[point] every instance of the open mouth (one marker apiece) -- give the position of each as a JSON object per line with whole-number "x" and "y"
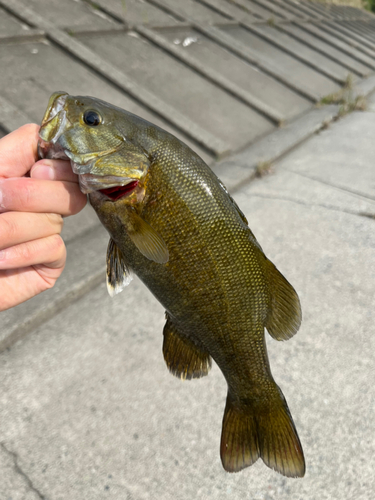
{"x": 117, "y": 192}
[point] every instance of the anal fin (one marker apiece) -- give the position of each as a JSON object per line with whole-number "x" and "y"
{"x": 183, "y": 358}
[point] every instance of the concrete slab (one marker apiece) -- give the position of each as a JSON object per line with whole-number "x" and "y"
{"x": 87, "y": 404}
{"x": 371, "y": 103}
{"x": 345, "y": 60}
{"x": 28, "y": 86}
{"x": 10, "y": 26}
{"x": 345, "y": 47}
{"x": 311, "y": 79}
{"x": 257, "y": 10}
{"x": 349, "y": 166}
{"x": 71, "y": 13}
{"x": 195, "y": 10}
{"x": 137, "y": 12}
{"x": 319, "y": 61}
{"x": 276, "y": 95}
{"x": 183, "y": 89}
{"x": 242, "y": 167}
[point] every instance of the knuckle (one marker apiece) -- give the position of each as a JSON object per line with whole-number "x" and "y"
{"x": 58, "y": 248}
{"x": 55, "y": 220}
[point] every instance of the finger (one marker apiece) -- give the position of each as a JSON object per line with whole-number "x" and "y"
{"x": 53, "y": 170}
{"x": 18, "y": 285}
{"x": 20, "y": 227}
{"x": 18, "y": 151}
{"x": 48, "y": 251}
{"x": 33, "y": 195}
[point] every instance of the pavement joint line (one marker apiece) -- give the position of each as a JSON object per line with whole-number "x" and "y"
{"x": 341, "y": 188}
{"x": 212, "y": 75}
{"x": 242, "y": 51}
{"x": 31, "y": 35}
{"x": 11, "y": 117}
{"x": 223, "y": 10}
{"x": 361, "y": 29}
{"x": 286, "y": 29}
{"x": 201, "y": 136}
{"x": 19, "y": 471}
{"x": 367, "y": 26}
{"x": 274, "y": 9}
{"x": 306, "y": 60}
{"x": 293, "y": 7}
{"x": 247, "y": 54}
{"x": 274, "y": 153}
{"x": 338, "y": 44}
{"x": 311, "y": 205}
{"x": 324, "y": 12}
{"x": 359, "y": 40}
{"x": 309, "y": 12}
{"x": 344, "y": 37}
{"x": 210, "y": 4}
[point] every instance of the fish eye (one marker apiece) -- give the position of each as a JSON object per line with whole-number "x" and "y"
{"x": 91, "y": 118}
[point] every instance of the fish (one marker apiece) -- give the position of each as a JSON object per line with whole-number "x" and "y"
{"x": 173, "y": 223}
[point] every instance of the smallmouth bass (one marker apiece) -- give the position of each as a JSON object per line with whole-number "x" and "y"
{"x": 174, "y": 224}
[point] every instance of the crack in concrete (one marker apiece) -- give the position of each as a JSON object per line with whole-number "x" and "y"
{"x": 328, "y": 207}
{"x": 19, "y": 471}
{"x": 330, "y": 184}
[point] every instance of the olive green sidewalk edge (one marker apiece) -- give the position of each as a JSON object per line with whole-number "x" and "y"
{"x": 85, "y": 268}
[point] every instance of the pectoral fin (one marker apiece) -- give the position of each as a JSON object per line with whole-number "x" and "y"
{"x": 183, "y": 358}
{"x": 147, "y": 240}
{"x": 118, "y": 273}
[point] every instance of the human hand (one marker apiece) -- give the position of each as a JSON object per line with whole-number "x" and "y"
{"x": 32, "y": 252}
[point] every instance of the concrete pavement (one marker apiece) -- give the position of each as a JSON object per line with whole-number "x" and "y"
{"x": 88, "y": 409}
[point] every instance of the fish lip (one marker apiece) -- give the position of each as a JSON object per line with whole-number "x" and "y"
{"x": 89, "y": 183}
{"x": 53, "y": 125}
{"x": 57, "y": 109}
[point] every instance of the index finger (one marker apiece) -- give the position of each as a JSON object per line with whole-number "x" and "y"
{"x": 18, "y": 151}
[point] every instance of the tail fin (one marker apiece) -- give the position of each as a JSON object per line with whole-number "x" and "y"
{"x": 264, "y": 430}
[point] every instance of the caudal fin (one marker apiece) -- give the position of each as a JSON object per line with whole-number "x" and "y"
{"x": 263, "y": 430}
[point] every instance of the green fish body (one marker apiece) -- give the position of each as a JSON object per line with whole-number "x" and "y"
{"x": 173, "y": 223}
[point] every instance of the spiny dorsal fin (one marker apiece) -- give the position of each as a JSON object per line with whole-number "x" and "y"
{"x": 285, "y": 316}
{"x": 183, "y": 358}
{"x": 118, "y": 273}
{"x": 147, "y": 240}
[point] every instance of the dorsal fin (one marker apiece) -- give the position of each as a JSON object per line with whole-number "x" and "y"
{"x": 285, "y": 316}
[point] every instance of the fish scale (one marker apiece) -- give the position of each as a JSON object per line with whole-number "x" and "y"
{"x": 179, "y": 230}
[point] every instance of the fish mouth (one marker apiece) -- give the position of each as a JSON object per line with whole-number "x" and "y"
{"x": 113, "y": 187}
{"x": 53, "y": 125}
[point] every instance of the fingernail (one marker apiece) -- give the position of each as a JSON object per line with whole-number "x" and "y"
{"x": 2, "y": 255}
{"x": 43, "y": 171}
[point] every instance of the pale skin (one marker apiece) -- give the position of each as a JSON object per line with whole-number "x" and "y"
{"x": 34, "y": 198}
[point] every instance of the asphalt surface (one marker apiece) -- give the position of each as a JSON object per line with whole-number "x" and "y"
{"x": 88, "y": 409}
